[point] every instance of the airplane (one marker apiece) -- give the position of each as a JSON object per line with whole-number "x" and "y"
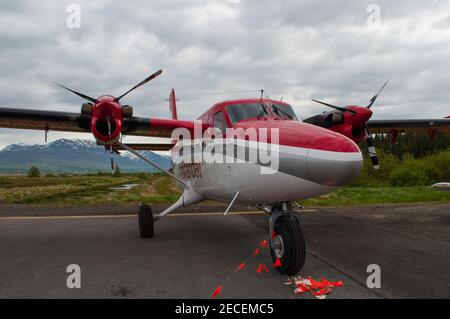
{"x": 313, "y": 157}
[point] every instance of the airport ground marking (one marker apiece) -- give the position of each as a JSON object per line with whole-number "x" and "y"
{"x": 19, "y": 218}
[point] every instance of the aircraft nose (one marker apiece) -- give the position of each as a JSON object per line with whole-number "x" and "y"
{"x": 334, "y": 161}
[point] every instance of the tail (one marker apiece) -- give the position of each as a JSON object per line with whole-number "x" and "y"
{"x": 173, "y": 104}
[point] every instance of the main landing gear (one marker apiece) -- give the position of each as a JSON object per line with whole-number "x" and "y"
{"x": 146, "y": 221}
{"x": 287, "y": 243}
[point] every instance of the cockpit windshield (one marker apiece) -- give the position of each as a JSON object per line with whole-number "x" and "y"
{"x": 241, "y": 112}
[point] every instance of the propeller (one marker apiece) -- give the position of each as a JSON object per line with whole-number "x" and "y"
{"x": 110, "y": 146}
{"x": 151, "y": 77}
{"x": 371, "y": 150}
{"x": 90, "y": 99}
{"x": 342, "y": 109}
{"x": 370, "y": 144}
{"x": 374, "y": 98}
{"x": 117, "y": 99}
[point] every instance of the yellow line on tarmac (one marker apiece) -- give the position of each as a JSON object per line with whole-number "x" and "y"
{"x": 62, "y": 217}
{"x": 132, "y": 215}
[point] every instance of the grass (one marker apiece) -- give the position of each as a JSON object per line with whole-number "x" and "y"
{"x": 85, "y": 189}
{"x": 158, "y": 188}
{"x": 379, "y": 195}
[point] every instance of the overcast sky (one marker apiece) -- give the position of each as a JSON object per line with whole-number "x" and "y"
{"x": 337, "y": 51}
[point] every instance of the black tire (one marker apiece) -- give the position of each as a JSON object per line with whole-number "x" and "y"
{"x": 145, "y": 217}
{"x": 293, "y": 254}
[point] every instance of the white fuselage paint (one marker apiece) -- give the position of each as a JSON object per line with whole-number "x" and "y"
{"x": 221, "y": 181}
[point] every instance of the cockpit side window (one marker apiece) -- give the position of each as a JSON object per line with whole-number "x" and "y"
{"x": 218, "y": 121}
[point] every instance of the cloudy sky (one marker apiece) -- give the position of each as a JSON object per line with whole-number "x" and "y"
{"x": 338, "y": 51}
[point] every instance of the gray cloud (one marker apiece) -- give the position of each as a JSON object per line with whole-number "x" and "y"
{"x": 295, "y": 49}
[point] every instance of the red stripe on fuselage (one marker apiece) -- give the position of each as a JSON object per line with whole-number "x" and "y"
{"x": 299, "y": 134}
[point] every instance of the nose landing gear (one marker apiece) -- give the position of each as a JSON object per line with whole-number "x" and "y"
{"x": 287, "y": 241}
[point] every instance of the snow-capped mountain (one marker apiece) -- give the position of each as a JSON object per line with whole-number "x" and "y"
{"x": 78, "y": 156}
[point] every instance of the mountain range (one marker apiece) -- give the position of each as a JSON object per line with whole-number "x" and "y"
{"x": 73, "y": 156}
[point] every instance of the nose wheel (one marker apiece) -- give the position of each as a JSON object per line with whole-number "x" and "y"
{"x": 287, "y": 243}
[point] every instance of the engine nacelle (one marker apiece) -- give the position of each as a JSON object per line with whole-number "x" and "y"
{"x": 353, "y": 125}
{"x": 106, "y": 110}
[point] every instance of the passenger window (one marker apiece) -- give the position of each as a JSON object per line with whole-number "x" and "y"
{"x": 218, "y": 121}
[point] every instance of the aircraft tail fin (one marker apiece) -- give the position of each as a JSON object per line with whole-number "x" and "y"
{"x": 173, "y": 104}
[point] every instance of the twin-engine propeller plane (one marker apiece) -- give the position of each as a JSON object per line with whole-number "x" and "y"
{"x": 293, "y": 160}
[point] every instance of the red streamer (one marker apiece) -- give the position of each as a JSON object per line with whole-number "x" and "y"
{"x": 277, "y": 263}
{"x": 216, "y": 292}
{"x": 241, "y": 266}
{"x": 264, "y": 244}
{"x": 262, "y": 267}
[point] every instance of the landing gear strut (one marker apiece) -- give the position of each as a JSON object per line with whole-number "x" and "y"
{"x": 145, "y": 217}
{"x": 287, "y": 241}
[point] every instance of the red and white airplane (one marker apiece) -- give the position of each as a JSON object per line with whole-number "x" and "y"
{"x": 313, "y": 157}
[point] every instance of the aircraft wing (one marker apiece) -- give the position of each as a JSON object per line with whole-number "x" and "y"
{"x": 44, "y": 120}
{"x": 409, "y": 126}
{"x": 77, "y": 122}
{"x": 140, "y": 126}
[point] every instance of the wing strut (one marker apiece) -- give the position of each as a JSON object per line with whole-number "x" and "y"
{"x": 126, "y": 147}
{"x": 189, "y": 195}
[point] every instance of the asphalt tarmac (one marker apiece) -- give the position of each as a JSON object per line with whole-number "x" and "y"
{"x": 196, "y": 250}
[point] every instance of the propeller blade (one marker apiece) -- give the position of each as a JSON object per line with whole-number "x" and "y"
{"x": 372, "y": 151}
{"x": 110, "y": 147}
{"x": 342, "y": 109}
{"x": 112, "y": 164}
{"x": 374, "y": 98}
{"x": 151, "y": 77}
{"x": 90, "y": 99}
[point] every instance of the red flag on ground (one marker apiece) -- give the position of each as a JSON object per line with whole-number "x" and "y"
{"x": 256, "y": 252}
{"x": 319, "y": 289}
{"x": 277, "y": 263}
{"x": 326, "y": 282}
{"x": 303, "y": 287}
{"x": 318, "y": 285}
{"x": 264, "y": 244}
{"x": 339, "y": 283}
{"x": 262, "y": 267}
{"x": 322, "y": 292}
{"x": 241, "y": 266}
{"x": 216, "y": 292}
